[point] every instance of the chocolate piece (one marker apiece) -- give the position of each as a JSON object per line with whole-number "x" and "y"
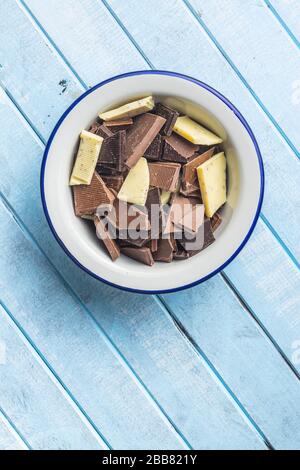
{"x": 169, "y": 114}
{"x": 177, "y": 149}
{"x": 143, "y": 255}
{"x": 119, "y": 125}
{"x": 110, "y": 244}
{"x": 119, "y": 122}
{"x": 191, "y": 190}
{"x": 138, "y": 242}
{"x": 113, "y": 182}
{"x": 88, "y": 197}
{"x": 153, "y": 207}
{"x": 140, "y": 135}
{"x": 128, "y": 219}
{"x": 153, "y": 245}
{"x": 192, "y": 220}
{"x": 113, "y": 151}
{"x": 164, "y": 175}
{"x": 189, "y": 174}
{"x": 103, "y": 131}
{"x": 180, "y": 206}
{"x": 164, "y": 251}
{"x": 154, "y": 150}
{"x": 181, "y": 254}
{"x": 200, "y": 241}
{"x": 215, "y": 221}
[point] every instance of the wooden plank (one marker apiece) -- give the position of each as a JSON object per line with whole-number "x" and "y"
{"x": 103, "y": 51}
{"x": 245, "y": 28}
{"x": 9, "y": 438}
{"x": 34, "y": 402}
{"x": 288, "y": 12}
{"x": 170, "y": 369}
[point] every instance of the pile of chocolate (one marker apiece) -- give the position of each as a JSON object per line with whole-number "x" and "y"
{"x": 152, "y": 182}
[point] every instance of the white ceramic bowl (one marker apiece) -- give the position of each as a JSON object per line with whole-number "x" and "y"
{"x": 245, "y": 181}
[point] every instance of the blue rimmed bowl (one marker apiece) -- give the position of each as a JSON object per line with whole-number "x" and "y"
{"x": 244, "y": 169}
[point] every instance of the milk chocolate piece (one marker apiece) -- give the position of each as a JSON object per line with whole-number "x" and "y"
{"x": 88, "y": 197}
{"x": 189, "y": 174}
{"x": 128, "y": 219}
{"x": 169, "y": 114}
{"x": 177, "y": 149}
{"x": 191, "y": 190}
{"x": 154, "y": 150}
{"x": 113, "y": 182}
{"x": 164, "y": 251}
{"x": 110, "y": 244}
{"x": 196, "y": 244}
{"x": 216, "y": 221}
{"x": 113, "y": 151}
{"x": 180, "y": 206}
{"x": 153, "y": 245}
{"x": 153, "y": 209}
{"x": 143, "y": 255}
{"x": 119, "y": 125}
{"x": 164, "y": 175}
{"x": 140, "y": 135}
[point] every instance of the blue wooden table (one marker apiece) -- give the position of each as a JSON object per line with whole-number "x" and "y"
{"x": 83, "y": 365}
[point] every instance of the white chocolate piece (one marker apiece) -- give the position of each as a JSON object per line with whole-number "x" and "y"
{"x": 136, "y": 184}
{"x": 135, "y": 108}
{"x": 194, "y": 132}
{"x": 212, "y": 182}
{"x": 87, "y": 157}
{"x": 165, "y": 197}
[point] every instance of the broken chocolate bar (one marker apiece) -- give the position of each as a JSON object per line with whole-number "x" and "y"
{"x": 119, "y": 124}
{"x": 113, "y": 182}
{"x": 170, "y": 116}
{"x": 200, "y": 241}
{"x": 189, "y": 174}
{"x": 104, "y": 235}
{"x": 88, "y": 197}
{"x": 216, "y": 221}
{"x": 164, "y": 251}
{"x": 154, "y": 150}
{"x": 113, "y": 152}
{"x": 140, "y": 135}
{"x": 177, "y": 149}
{"x": 164, "y": 175}
{"x": 143, "y": 255}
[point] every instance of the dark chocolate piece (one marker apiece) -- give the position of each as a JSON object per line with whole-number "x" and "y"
{"x": 164, "y": 251}
{"x": 104, "y": 235}
{"x": 113, "y": 182}
{"x": 143, "y": 255}
{"x": 154, "y": 150}
{"x": 189, "y": 174}
{"x": 177, "y": 149}
{"x": 88, "y": 197}
{"x": 113, "y": 151}
{"x": 181, "y": 254}
{"x": 169, "y": 114}
{"x": 201, "y": 241}
{"x": 140, "y": 135}
{"x": 164, "y": 175}
{"x": 216, "y": 221}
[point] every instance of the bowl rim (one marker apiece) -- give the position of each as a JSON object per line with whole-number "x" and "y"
{"x": 228, "y": 104}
